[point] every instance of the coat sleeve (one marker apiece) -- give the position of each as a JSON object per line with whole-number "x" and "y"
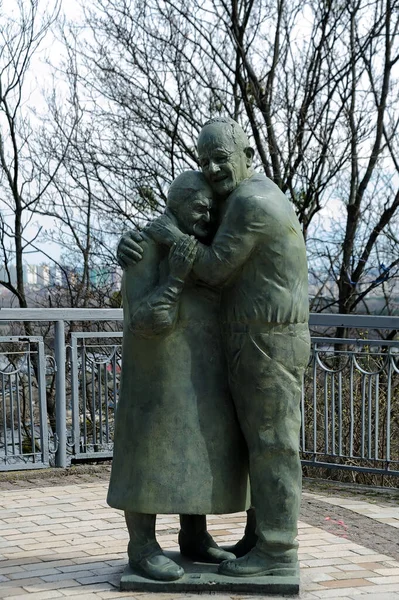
{"x": 234, "y": 241}
{"x": 150, "y": 307}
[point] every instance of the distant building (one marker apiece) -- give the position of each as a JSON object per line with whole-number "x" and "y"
{"x": 55, "y": 275}
{"x": 43, "y": 275}
{"x": 12, "y": 274}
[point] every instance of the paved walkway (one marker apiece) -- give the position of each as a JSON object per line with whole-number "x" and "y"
{"x": 63, "y": 540}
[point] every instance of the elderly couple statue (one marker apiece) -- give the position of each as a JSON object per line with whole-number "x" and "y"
{"x": 215, "y": 344}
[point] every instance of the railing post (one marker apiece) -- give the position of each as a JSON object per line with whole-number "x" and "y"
{"x": 60, "y": 395}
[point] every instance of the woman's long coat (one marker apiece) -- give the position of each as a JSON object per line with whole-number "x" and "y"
{"x": 178, "y": 447}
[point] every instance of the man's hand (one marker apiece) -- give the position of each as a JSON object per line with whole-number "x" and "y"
{"x": 182, "y": 256}
{"x": 164, "y": 231}
{"x": 129, "y": 250}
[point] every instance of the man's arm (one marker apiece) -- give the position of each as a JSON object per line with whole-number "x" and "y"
{"x": 130, "y": 248}
{"x": 244, "y": 221}
{"x": 236, "y": 238}
{"x": 132, "y": 243}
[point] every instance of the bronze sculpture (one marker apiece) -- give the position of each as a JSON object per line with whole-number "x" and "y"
{"x": 258, "y": 259}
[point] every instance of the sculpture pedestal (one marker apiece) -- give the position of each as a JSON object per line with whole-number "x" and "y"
{"x": 201, "y": 577}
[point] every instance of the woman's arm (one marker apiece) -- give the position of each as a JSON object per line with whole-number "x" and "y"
{"x": 153, "y": 307}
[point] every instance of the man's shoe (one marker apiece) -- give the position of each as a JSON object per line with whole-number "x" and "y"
{"x": 243, "y": 546}
{"x": 153, "y": 564}
{"x": 249, "y": 540}
{"x": 257, "y": 564}
{"x": 202, "y": 548}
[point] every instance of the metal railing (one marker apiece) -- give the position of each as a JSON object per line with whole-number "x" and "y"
{"x": 23, "y": 435}
{"x": 350, "y": 399}
{"x": 95, "y": 369}
{"x": 350, "y": 406}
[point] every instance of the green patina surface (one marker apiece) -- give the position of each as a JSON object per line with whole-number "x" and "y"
{"x": 205, "y": 578}
{"x": 235, "y": 343}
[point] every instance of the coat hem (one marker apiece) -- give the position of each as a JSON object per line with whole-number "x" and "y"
{"x": 182, "y": 510}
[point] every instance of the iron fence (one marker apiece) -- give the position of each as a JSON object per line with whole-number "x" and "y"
{"x": 24, "y": 440}
{"x": 95, "y": 369}
{"x": 349, "y": 405}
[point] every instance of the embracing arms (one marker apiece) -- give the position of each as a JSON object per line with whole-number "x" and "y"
{"x": 236, "y": 238}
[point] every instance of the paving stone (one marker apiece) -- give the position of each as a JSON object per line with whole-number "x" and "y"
{"x": 84, "y": 566}
{"x": 388, "y": 571}
{"x": 69, "y": 575}
{"x": 32, "y": 573}
{"x": 74, "y": 555}
{"x": 86, "y": 596}
{"x": 353, "y": 568}
{"x": 46, "y": 595}
{"x": 351, "y": 583}
{"x": 371, "y": 566}
{"x": 51, "y": 585}
{"x": 382, "y": 596}
{"x": 95, "y": 588}
{"x": 20, "y": 562}
{"x": 325, "y": 562}
{"x": 391, "y": 587}
{"x": 338, "y": 593}
{"x": 19, "y": 582}
{"x": 7, "y": 591}
{"x": 316, "y": 577}
{"x": 69, "y": 531}
{"x": 96, "y": 578}
{"x": 384, "y": 580}
{"x": 332, "y": 554}
{"x": 368, "y": 558}
{"x": 51, "y": 563}
{"x": 9, "y": 570}
{"x": 353, "y": 575}
{"x": 116, "y": 594}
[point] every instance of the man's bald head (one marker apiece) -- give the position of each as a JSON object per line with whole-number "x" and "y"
{"x": 231, "y": 128}
{"x": 225, "y": 155}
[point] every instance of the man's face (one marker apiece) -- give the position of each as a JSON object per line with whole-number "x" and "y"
{"x": 194, "y": 214}
{"x": 224, "y": 163}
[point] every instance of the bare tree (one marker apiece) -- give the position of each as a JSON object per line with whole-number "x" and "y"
{"x": 22, "y": 183}
{"x": 311, "y": 82}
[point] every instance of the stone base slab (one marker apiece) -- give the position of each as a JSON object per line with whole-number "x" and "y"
{"x": 201, "y": 577}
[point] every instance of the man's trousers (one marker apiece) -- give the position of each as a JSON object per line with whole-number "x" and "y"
{"x": 266, "y": 366}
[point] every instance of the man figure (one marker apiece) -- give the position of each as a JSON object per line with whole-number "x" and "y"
{"x": 258, "y": 257}
{"x": 178, "y": 446}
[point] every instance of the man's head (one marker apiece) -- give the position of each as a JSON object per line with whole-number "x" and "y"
{"x": 225, "y": 155}
{"x": 190, "y": 200}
